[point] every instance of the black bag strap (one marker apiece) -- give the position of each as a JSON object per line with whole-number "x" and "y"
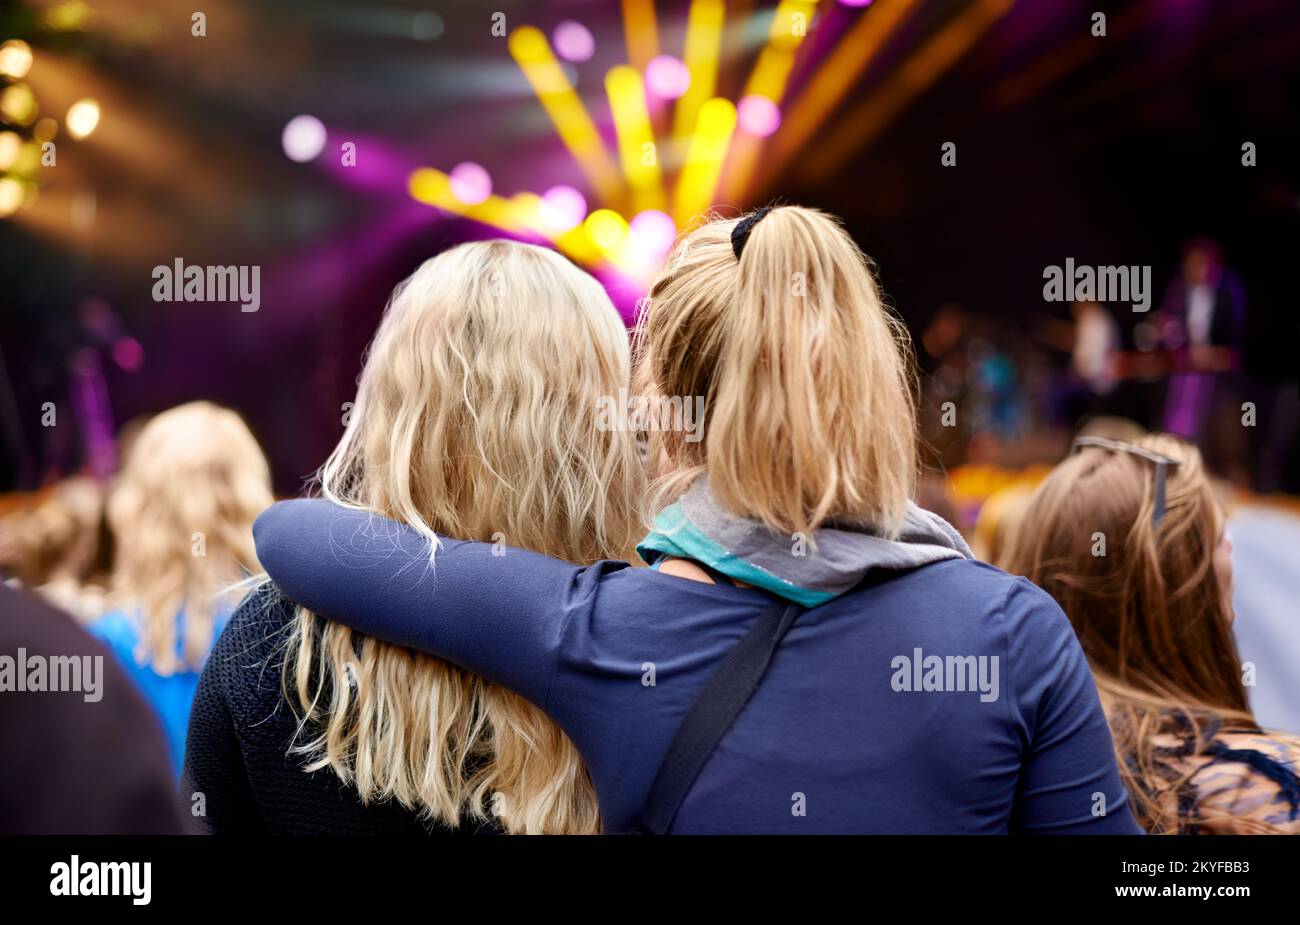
{"x": 719, "y": 703}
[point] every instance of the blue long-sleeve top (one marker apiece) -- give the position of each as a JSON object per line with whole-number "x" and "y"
{"x": 837, "y": 739}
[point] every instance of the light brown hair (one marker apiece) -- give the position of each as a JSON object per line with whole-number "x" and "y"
{"x": 1147, "y": 607}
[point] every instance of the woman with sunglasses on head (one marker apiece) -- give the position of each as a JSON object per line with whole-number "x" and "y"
{"x": 1130, "y": 540}
{"x": 810, "y": 652}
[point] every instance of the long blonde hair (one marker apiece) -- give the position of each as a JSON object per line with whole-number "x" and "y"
{"x": 476, "y": 417}
{"x": 1150, "y": 614}
{"x": 182, "y": 513}
{"x": 806, "y": 376}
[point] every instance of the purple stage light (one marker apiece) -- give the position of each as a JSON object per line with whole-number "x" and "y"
{"x": 667, "y": 78}
{"x": 563, "y": 207}
{"x": 128, "y": 354}
{"x": 758, "y": 115}
{"x": 303, "y": 138}
{"x": 653, "y": 233}
{"x": 470, "y": 183}
{"x": 573, "y": 41}
{"x": 855, "y": 3}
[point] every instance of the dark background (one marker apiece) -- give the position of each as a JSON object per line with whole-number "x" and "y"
{"x": 1110, "y": 150}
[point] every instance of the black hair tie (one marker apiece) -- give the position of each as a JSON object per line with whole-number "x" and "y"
{"x": 740, "y": 234}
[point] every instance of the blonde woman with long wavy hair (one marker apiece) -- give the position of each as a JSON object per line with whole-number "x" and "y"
{"x": 181, "y": 513}
{"x": 810, "y": 652}
{"x": 475, "y": 419}
{"x": 1153, "y": 611}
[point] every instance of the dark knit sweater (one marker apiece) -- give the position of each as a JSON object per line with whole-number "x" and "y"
{"x": 241, "y": 728}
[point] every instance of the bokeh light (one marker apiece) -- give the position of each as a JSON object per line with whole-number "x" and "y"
{"x": 11, "y": 196}
{"x": 607, "y": 229}
{"x": 15, "y": 59}
{"x": 667, "y": 78}
{"x": 573, "y": 41}
{"x": 758, "y": 115}
{"x": 426, "y": 26}
{"x": 10, "y": 144}
{"x": 45, "y": 129}
{"x": 303, "y": 138}
{"x": 83, "y": 117}
{"x": 128, "y": 354}
{"x": 470, "y": 183}
{"x": 563, "y": 208}
{"x": 653, "y": 233}
{"x": 18, "y": 104}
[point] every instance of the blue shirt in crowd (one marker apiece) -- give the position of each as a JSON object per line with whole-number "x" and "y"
{"x": 170, "y": 695}
{"x": 952, "y": 698}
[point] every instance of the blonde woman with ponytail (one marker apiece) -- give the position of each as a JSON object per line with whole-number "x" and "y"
{"x": 474, "y": 418}
{"x": 181, "y": 514}
{"x": 1154, "y": 616}
{"x": 810, "y": 652}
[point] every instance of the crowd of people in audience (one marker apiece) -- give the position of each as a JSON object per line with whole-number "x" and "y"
{"x": 501, "y": 614}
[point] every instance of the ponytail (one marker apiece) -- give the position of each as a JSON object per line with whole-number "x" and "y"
{"x": 808, "y": 386}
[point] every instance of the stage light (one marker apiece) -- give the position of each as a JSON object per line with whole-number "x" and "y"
{"x": 128, "y": 354}
{"x": 641, "y": 31}
{"x": 425, "y": 27}
{"x": 11, "y": 196}
{"x": 708, "y": 150}
{"x": 573, "y": 41}
{"x": 608, "y": 230}
{"x": 521, "y": 215}
{"x": 303, "y": 138}
{"x": 758, "y": 115}
{"x": 703, "y": 41}
{"x": 772, "y": 70}
{"x": 771, "y": 73}
{"x": 855, "y": 3}
{"x": 653, "y": 233}
{"x": 18, "y": 105}
{"x": 10, "y": 144}
{"x": 940, "y": 52}
{"x": 15, "y": 59}
{"x": 563, "y": 207}
{"x": 529, "y": 48}
{"x": 831, "y": 83}
{"x": 636, "y": 140}
{"x": 470, "y": 183}
{"x": 68, "y": 16}
{"x": 82, "y": 118}
{"x": 667, "y": 78}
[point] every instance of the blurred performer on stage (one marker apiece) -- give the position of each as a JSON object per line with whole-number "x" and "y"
{"x": 1202, "y": 318}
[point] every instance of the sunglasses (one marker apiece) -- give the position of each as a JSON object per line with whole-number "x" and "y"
{"x": 1162, "y": 464}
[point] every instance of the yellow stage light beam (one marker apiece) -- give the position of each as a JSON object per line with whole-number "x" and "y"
{"x": 641, "y": 30}
{"x": 636, "y": 140}
{"x": 790, "y": 26}
{"x": 703, "y": 41}
{"x": 771, "y": 73}
{"x": 1066, "y": 58}
{"x": 708, "y": 151}
{"x": 833, "y": 79}
{"x": 862, "y": 123}
{"x": 573, "y": 241}
{"x": 533, "y": 54}
{"x": 610, "y": 233}
{"x": 518, "y": 215}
